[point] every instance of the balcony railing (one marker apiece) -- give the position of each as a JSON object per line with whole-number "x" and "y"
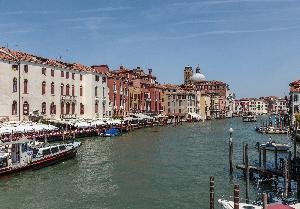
{"x": 68, "y": 98}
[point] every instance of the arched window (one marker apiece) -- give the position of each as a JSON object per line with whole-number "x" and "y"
{"x": 52, "y": 88}
{"x": 81, "y": 91}
{"x": 73, "y": 108}
{"x": 52, "y": 108}
{"x": 43, "y": 87}
{"x": 96, "y": 107}
{"x": 96, "y": 91}
{"x": 14, "y": 108}
{"x": 44, "y": 108}
{"x": 25, "y": 86}
{"x": 62, "y": 88}
{"x": 68, "y": 108}
{"x": 67, "y": 89}
{"x": 15, "y": 85}
{"x": 25, "y": 108}
{"x": 73, "y": 90}
{"x": 62, "y": 106}
{"x": 81, "y": 109}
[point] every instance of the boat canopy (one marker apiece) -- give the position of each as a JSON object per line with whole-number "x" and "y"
{"x": 194, "y": 115}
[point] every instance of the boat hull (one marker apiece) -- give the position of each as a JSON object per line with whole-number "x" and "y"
{"x": 35, "y": 165}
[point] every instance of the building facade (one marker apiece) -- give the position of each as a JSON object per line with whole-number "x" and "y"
{"x": 51, "y": 89}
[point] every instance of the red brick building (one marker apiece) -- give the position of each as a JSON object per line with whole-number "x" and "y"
{"x": 132, "y": 91}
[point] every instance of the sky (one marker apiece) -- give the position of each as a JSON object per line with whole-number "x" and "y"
{"x": 253, "y": 45}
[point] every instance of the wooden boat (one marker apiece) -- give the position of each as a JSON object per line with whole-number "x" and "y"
{"x": 249, "y": 118}
{"x": 273, "y": 130}
{"x": 16, "y": 156}
{"x": 272, "y": 146}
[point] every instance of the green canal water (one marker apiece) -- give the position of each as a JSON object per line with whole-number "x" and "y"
{"x": 159, "y": 167}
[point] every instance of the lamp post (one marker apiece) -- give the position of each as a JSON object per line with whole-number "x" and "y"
{"x": 19, "y": 79}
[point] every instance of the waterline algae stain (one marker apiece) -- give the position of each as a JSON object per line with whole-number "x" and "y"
{"x": 159, "y": 167}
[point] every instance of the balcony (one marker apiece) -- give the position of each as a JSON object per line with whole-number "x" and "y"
{"x": 68, "y": 116}
{"x": 68, "y": 98}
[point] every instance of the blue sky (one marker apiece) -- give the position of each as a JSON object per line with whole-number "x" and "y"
{"x": 253, "y": 45}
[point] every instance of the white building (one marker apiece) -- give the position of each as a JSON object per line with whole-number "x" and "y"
{"x": 50, "y": 88}
{"x": 294, "y": 99}
{"x": 258, "y": 106}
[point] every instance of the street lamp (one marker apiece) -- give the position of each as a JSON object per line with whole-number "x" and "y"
{"x": 19, "y": 69}
{"x": 230, "y": 134}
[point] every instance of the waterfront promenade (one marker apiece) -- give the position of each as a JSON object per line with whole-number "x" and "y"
{"x": 159, "y": 167}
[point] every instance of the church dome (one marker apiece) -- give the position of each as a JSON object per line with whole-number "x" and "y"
{"x": 198, "y": 76}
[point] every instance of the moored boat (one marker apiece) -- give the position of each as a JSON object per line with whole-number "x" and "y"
{"x": 272, "y": 146}
{"x": 111, "y": 132}
{"x": 250, "y": 117}
{"x": 226, "y": 204}
{"x": 16, "y": 156}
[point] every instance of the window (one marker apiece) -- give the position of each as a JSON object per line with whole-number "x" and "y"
{"x": 67, "y": 75}
{"x": 67, "y": 89}
{"x": 54, "y": 150}
{"x": 62, "y": 73}
{"x": 25, "y": 108}
{"x": 43, "y": 87}
{"x": 96, "y": 91}
{"x": 62, "y": 147}
{"x": 103, "y": 79}
{"x": 25, "y": 86}
{"x": 44, "y": 108}
{"x": 44, "y": 71}
{"x": 68, "y": 108}
{"x": 14, "y": 108}
{"x": 73, "y": 90}
{"x": 62, "y": 89}
{"x": 52, "y": 88}
{"x": 81, "y": 109}
{"x": 96, "y": 107}
{"x": 62, "y": 106}
{"x": 52, "y": 72}
{"x": 81, "y": 91}
{"x": 80, "y": 77}
{"x": 73, "y": 108}
{"x": 46, "y": 152}
{"x": 97, "y": 78}
{"x": 15, "y": 85}
{"x": 15, "y": 67}
{"x": 25, "y": 68}
{"x": 73, "y": 76}
{"x": 52, "y": 108}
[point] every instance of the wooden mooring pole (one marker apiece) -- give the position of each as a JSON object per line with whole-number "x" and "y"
{"x": 290, "y": 172}
{"x": 276, "y": 158}
{"x": 259, "y": 154}
{"x": 295, "y": 141}
{"x": 212, "y": 193}
{"x": 236, "y": 196}
{"x": 285, "y": 175}
{"x": 247, "y": 173}
{"x": 264, "y": 158}
{"x": 265, "y": 200}
{"x": 244, "y": 147}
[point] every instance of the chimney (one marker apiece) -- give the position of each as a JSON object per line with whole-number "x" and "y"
{"x": 150, "y": 71}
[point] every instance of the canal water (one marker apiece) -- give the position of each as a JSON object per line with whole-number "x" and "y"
{"x": 159, "y": 167}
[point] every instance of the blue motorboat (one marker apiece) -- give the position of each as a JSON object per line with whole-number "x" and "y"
{"x": 111, "y": 132}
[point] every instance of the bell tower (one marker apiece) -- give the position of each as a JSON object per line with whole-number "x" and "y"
{"x": 188, "y": 73}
